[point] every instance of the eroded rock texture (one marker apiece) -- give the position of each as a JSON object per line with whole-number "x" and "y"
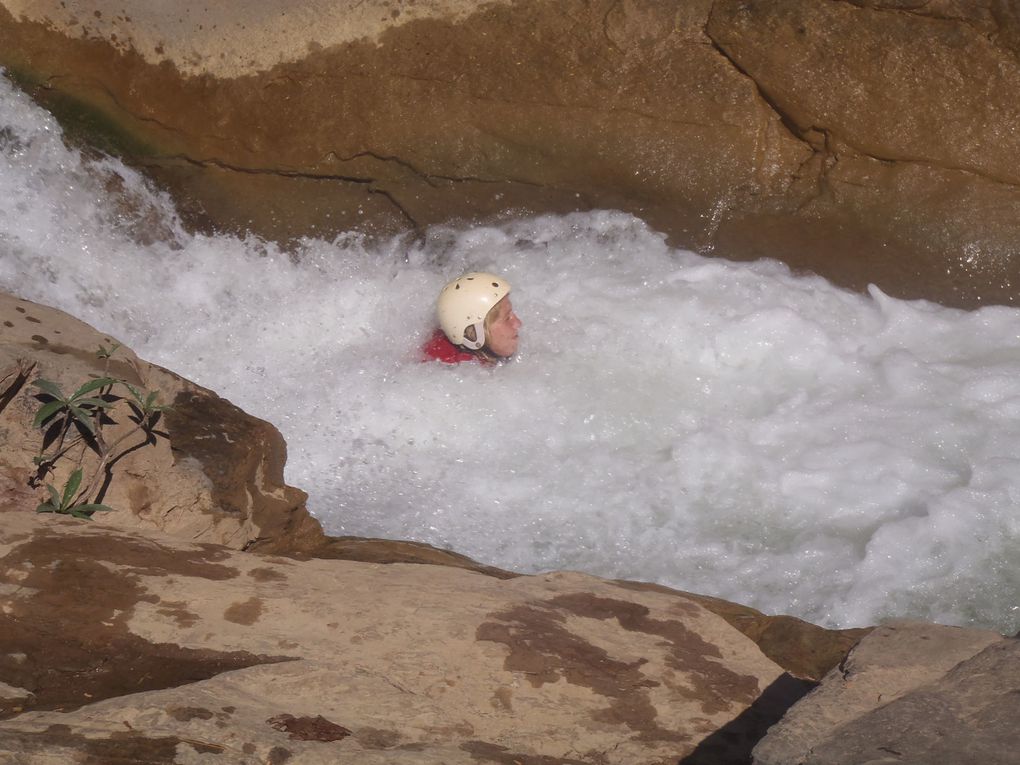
{"x": 155, "y": 650}
{"x": 867, "y": 141}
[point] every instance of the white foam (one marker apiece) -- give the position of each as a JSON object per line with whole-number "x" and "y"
{"x": 724, "y": 428}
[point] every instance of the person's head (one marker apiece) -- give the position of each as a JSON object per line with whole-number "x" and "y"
{"x": 475, "y": 312}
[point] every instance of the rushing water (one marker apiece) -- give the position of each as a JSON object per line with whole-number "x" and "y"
{"x": 730, "y": 429}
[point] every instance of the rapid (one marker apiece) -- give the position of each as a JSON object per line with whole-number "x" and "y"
{"x": 730, "y": 429}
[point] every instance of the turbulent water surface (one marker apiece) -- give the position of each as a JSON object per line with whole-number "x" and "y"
{"x": 729, "y": 429}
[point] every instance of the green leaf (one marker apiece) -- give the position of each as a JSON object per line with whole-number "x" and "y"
{"x": 46, "y": 508}
{"x": 133, "y": 389}
{"x": 105, "y": 353}
{"x": 83, "y": 417}
{"x": 93, "y": 507}
{"x": 71, "y": 487}
{"x": 99, "y": 382}
{"x": 54, "y": 494}
{"x": 46, "y": 411}
{"x": 49, "y": 387}
{"x": 150, "y": 400}
{"x": 84, "y": 516}
{"x": 95, "y": 402}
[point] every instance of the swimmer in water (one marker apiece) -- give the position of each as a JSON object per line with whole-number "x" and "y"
{"x": 476, "y": 321}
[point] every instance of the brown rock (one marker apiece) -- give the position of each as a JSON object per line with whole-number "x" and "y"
{"x": 211, "y": 472}
{"x": 907, "y": 691}
{"x": 138, "y": 641}
{"x": 866, "y": 141}
{"x": 803, "y": 649}
{"x": 909, "y": 110}
{"x": 965, "y": 717}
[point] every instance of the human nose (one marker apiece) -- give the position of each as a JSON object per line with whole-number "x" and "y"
{"x": 515, "y": 320}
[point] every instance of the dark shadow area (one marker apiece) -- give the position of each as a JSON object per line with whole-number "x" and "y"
{"x": 733, "y": 742}
{"x": 12, "y": 379}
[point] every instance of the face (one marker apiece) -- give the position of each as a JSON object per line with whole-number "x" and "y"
{"x": 501, "y": 329}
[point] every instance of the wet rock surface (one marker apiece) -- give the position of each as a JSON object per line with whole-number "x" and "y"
{"x": 865, "y": 141}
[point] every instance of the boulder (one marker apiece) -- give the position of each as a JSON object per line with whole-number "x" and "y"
{"x": 206, "y": 470}
{"x": 909, "y": 692}
{"x": 151, "y": 649}
{"x": 868, "y": 141}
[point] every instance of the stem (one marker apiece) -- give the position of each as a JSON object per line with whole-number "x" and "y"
{"x": 58, "y": 454}
{"x": 106, "y": 456}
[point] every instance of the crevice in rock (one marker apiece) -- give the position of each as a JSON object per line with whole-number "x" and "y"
{"x": 794, "y": 130}
{"x": 605, "y": 25}
{"x": 100, "y": 87}
{"x": 399, "y": 207}
{"x": 221, "y": 165}
{"x": 920, "y": 11}
{"x": 786, "y": 119}
{"x": 426, "y": 177}
{"x": 826, "y": 159}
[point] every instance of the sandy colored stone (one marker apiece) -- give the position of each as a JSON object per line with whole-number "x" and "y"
{"x": 418, "y": 664}
{"x": 966, "y": 717}
{"x": 213, "y": 473}
{"x": 217, "y": 37}
{"x": 803, "y": 649}
{"x": 893, "y": 661}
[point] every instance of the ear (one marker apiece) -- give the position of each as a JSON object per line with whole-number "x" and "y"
{"x": 474, "y": 336}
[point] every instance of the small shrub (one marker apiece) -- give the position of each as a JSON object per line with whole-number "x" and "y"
{"x": 77, "y": 424}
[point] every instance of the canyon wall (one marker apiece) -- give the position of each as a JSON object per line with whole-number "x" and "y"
{"x": 867, "y": 141}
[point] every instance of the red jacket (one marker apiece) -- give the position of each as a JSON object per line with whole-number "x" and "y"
{"x": 439, "y": 348}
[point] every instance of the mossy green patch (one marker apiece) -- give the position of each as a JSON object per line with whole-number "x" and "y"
{"x": 86, "y": 123}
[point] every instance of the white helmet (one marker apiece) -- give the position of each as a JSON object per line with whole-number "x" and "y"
{"x": 465, "y": 301}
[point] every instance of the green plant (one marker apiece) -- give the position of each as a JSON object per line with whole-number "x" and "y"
{"x": 64, "y": 502}
{"x": 76, "y": 424}
{"x": 106, "y": 354}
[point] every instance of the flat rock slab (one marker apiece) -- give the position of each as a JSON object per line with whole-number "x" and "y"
{"x": 164, "y": 651}
{"x": 908, "y": 693}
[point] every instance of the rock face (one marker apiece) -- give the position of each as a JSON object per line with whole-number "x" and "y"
{"x": 208, "y": 471}
{"x": 908, "y": 693}
{"x": 160, "y": 651}
{"x": 868, "y": 141}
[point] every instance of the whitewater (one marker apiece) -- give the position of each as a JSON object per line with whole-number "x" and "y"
{"x": 729, "y": 429}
